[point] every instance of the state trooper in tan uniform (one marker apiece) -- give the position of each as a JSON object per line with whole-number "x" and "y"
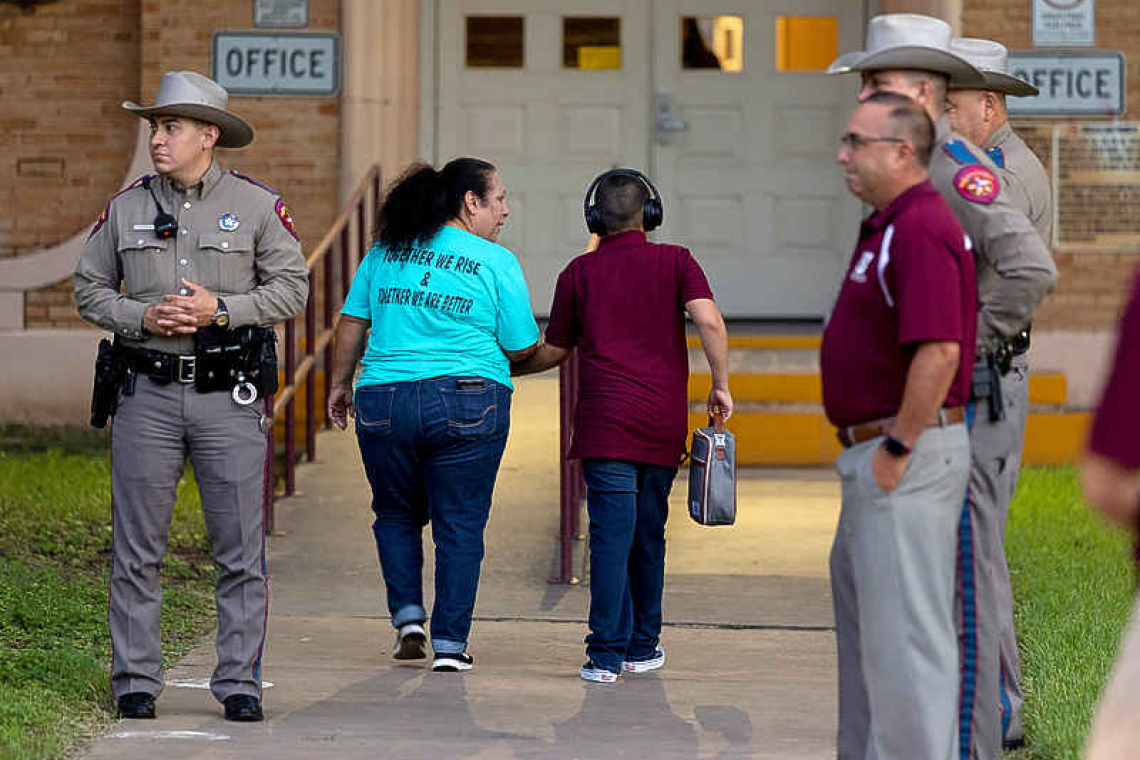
{"x": 910, "y": 54}
{"x": 979, "y": 113}
{"x": 190, "y": 251}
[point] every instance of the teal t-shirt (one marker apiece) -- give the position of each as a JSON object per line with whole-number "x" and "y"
{"x": 450, "y": 307}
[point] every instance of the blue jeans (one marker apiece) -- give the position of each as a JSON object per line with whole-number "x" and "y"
{"x": 431, "y": 449}
{"x": 628, "y": 503}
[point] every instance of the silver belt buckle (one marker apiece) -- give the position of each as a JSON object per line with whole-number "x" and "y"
{"x": 185, "y": 372}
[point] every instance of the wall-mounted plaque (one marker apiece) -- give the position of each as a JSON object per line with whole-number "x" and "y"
{"x": 282, "y": 14}
{"x": 1064, "y": 23}
{"x": 1097, "y": 187}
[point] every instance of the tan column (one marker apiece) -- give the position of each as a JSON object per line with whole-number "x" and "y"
{"x": 949, "y": 11}
{"x": 380, "y": 101}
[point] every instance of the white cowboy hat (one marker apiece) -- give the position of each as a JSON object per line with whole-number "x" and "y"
{"x": 908, "y": 41}
{"x": 992, "y": 59}
{"x": 188, "y": 93}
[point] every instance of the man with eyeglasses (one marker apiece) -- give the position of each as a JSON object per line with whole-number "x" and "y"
{"x": 911, "y": 55}
{"x": 895, "y": 364}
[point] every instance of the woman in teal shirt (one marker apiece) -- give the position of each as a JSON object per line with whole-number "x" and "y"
{"x": 444, "y": 310}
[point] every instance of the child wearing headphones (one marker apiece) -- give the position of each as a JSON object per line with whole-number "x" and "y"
{"x": 623, "y": 305}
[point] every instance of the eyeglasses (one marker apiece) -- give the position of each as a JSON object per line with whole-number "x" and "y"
{"x": 855, "y": 141}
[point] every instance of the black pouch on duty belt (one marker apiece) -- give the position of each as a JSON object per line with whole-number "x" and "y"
{"x": 227, "y": 358}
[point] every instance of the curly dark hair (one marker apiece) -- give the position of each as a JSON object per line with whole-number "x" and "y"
{"x": 417, "y": 204}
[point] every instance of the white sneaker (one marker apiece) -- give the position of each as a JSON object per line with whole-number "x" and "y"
{"x": 452, "y": 662}
{"x": 644, "y": 666}
{"x": 592, "y": 671}
{"x": 410, "y": 641}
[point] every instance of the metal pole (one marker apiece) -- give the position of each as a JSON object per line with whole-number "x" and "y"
{"x": 290, "y": 408}
{"x": 268, "y": 484}
{"x": 311, "y": 380}
{"x": 569, "y": 500}
{"x": 327, "y": 276}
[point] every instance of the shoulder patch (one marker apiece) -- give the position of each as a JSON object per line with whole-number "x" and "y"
{"x": 997, "y": 155}
{"x": 253, "y": 181}
{"x": 107, "y": 209}
{"x": 286, "y": 219}
{"x": 958, "y": 151}
{"x": 977, "y": 184}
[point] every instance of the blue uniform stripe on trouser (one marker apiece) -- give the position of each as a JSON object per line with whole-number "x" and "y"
{"x": 969, "y": 617}
{"x": 1006, "y": 707}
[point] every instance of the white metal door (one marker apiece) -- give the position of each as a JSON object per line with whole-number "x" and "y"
{"x": 749, "y": 184}
{"x": 749, "y": 179}
{"x": 548, "y": 128}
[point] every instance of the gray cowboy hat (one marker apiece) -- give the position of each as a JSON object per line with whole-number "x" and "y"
{"x": 188, "y": 93}
{"x": 908, "y": 41}
{"x": 992, "y": 59}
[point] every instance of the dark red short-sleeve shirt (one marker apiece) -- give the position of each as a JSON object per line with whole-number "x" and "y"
{"x": 622, "y": 306}
{"x": 911, "y": 280}
{"x": 1114, "y": 426}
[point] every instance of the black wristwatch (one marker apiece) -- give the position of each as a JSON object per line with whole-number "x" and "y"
{"x": 222, "y": 315}
{"x": 895, "y": 447}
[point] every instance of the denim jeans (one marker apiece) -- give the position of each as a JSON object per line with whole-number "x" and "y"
{"x": 628, "y": 503}
{"x": 431, "y": 449}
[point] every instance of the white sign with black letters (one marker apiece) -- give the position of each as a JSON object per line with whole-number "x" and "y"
{"x": 1072, "y": 83}
{"x": 1064, "y": 23}
{"x": 285, "y": 63}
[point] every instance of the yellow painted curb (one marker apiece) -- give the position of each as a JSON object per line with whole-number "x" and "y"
{"x": 1048, "y": 389}
{"x": 801, "y": 438}
{"x": 767, "y": 342}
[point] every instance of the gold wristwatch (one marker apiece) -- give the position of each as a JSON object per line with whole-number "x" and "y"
{"x": 222, "y": 315}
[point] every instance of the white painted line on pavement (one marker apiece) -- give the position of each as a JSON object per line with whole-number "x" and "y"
{"x": 206, "y": 736}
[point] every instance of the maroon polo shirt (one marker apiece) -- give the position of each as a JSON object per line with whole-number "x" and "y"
{"x": 622, "y": 307}
{"x": 1114, "y": 426}
{"x": 910, "y": 281}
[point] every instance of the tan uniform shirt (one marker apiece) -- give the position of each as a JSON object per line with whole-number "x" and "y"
{"x": 235, "y": 238}
{"x": 1015, "y": 270}
{"x": 1023, "y": 178}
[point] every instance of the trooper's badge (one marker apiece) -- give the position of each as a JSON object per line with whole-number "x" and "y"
{"x": 228, "y": 222}
{"x": 977, "y": 184}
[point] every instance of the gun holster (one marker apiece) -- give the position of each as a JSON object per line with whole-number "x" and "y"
{"x": 110, "y": 375}
{"x": 986, "y": 384}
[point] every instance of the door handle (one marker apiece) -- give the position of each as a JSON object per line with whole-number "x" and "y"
{"x": 665, "y": 123}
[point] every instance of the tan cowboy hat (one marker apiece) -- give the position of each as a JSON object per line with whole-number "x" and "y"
{"x": 908, "y": 41}
{"x": 188, "y": 93}
{"x": 992, "y": 59}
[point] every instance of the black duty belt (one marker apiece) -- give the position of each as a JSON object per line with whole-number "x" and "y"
{"x": 161, "y": 367}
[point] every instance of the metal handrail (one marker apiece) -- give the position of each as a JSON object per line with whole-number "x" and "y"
{"x": 358, "y": 215}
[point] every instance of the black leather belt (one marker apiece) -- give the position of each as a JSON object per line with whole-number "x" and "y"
{"x": 161, "y": 367}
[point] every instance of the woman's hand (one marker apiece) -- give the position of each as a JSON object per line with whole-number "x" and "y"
{"x": 340, "y": 405}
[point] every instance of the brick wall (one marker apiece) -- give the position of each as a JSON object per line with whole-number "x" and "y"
{"x": 1091, "y": 286}
{"x": 64, "y": 69}
{"x": 98, "y": 54}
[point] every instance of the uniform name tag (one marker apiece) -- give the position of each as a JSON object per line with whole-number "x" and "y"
{"x": 140, "y": 227}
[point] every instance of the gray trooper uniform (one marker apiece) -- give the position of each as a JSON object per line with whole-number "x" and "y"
{"x": 997, "y": 445}
{"x": 1015, "y": 271}
{"x": 1026, "y": 185}
{"x": 236, "y": 239}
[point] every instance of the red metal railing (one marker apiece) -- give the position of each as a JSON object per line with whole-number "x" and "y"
{"x": 572, "y": 489}
{"x": 349, "y": 237}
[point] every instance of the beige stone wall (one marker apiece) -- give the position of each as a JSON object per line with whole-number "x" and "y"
{"x": 1091, "y": 286}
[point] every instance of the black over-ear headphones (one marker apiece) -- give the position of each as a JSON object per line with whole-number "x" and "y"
{"x": 165, "y": 225}
{"x": 651, "y": 213}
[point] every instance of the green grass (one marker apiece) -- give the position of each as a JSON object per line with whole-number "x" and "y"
{"x": 1073, "y": 588}
{"x": 55, "y": 542}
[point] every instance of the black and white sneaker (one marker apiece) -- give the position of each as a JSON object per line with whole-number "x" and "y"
{"x": 452, "y": 662}
{"x": 410, "y": 641}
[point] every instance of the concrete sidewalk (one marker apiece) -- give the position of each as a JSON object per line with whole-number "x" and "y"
{"x": 751, "y": 660}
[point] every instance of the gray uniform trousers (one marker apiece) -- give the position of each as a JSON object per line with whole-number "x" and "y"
{"x": 152, "y": 432}
{"x": 991, "y": 675}
{"x": 892, "y": 581}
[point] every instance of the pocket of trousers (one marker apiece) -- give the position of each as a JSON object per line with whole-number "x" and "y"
{"x": 471, "y": 408}
{"x": 374, "y": 409}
